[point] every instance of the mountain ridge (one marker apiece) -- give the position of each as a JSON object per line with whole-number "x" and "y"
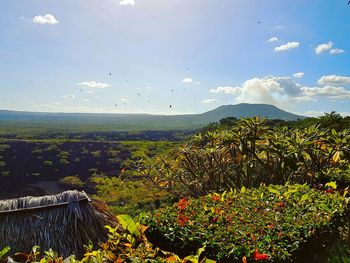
{"x": 151, "y": 121}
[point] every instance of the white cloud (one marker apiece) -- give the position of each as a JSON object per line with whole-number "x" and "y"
{"x": 298, "y": 75}
{"x": 320, "y": 113}
{"x": 189, "y": 80}
{"x": 288, "y": 46}
{"x": 89, "y": 91}
{"x": 344, "y": 113}
{"x": 323, "y": 47}
{"x": 334, "y": 80}
{"x": 124, "y": 99}
{"x": 86, "y": 100}
{"x": 209, "y": 101}
{"x": 331, "y": 92}
{"x": 127, "y": 2}
{"x": 226, "y": 90}
{"x": 313, "y": 113}
{"x": 281, "y": 91}
{"x": 45, "y": 19}
{"x": 270, "y": 89}
{"x": 336, "y": 51}
{"x": 300, "y": 99}
{"x": 94, "y": 85}
{"x": 272, "y": 39}
{"x": 69, "y": 96}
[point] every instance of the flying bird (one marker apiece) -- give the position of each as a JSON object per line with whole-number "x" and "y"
{"x": 138, "y": 94}
{"x": 259, "y": 22}
{"x": 170, "y": 106}
{"x": 349, "y": 3}
{"x": 110, "y": 74}
{"x": 172, "y": 90}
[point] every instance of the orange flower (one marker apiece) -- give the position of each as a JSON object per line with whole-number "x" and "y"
{"x": 216, "y": 198}
{"x": 258, "y": 256}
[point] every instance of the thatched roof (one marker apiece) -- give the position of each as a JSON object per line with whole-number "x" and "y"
{"x": 64, "y": 222}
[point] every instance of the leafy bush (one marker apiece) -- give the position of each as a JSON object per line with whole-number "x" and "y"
{"x": 277, "y": 223}
{"x": 47, "y": 163}
{"x": 72, "y": 181}
{"x": 249, "y": 154}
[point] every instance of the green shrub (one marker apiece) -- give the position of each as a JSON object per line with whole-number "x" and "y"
{"x": 249, "y": 154}
{"x": 279, "y": 221}
{"x": 73, "y": 181}
{"x": 47, "y": 163}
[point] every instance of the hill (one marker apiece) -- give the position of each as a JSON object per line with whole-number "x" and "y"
{"x": 144, "y": 121}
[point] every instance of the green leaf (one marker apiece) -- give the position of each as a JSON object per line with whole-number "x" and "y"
{"x": 128, "y": 223}
{"x": 207, "y": 260}
{"x": 274, "y": 191}
{"x": 192, "y": 258}
{"x": 304, "y": 197}
{"x": 3, "y": 252}
{"x": 243, "y": 190}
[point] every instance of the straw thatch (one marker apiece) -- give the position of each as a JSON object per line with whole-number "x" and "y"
{"x": 64, "y": 222}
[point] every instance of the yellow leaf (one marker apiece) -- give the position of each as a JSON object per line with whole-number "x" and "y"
{"x": 332, "y": 185}
{"x": 127, "y": 244}
{"x": 336, "y": 157}
{"x": 172, "y": 258}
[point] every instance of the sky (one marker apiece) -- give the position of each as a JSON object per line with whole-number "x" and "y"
{"x": 174, "y": 56}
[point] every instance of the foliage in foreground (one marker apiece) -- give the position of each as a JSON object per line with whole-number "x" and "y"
{"x": 248, "y": 154}
{"x": 278, "y": 223}
{"x": 130, "y": 245}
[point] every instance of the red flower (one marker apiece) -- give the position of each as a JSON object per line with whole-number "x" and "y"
{"x": 330, "y": 190}
{"x": 183, "y": 203}
{"x": 215, "y": 219}
{"x": 182, "y": 220}
{"x": 258, "y": 256}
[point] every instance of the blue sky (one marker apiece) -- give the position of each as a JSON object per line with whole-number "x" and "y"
{"x": 193, "y": 55}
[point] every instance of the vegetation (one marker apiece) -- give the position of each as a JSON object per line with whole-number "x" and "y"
{"x": 129, "y": 246}
{"x": 245, "y": 190}
{"x": 72, "y": 181}
{"x": 278, "y": 221}
{"x": 128, "y": 197}
{"x": 248, "y": 154}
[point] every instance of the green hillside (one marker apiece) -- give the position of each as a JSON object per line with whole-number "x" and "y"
{"x": 129, "y": 122}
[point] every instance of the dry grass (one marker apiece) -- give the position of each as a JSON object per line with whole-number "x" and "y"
{"x": 64, "y": 222}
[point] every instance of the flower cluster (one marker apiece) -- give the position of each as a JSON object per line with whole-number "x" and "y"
{"x": 270, "y": 223}
{"x": 182, "y": 218}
